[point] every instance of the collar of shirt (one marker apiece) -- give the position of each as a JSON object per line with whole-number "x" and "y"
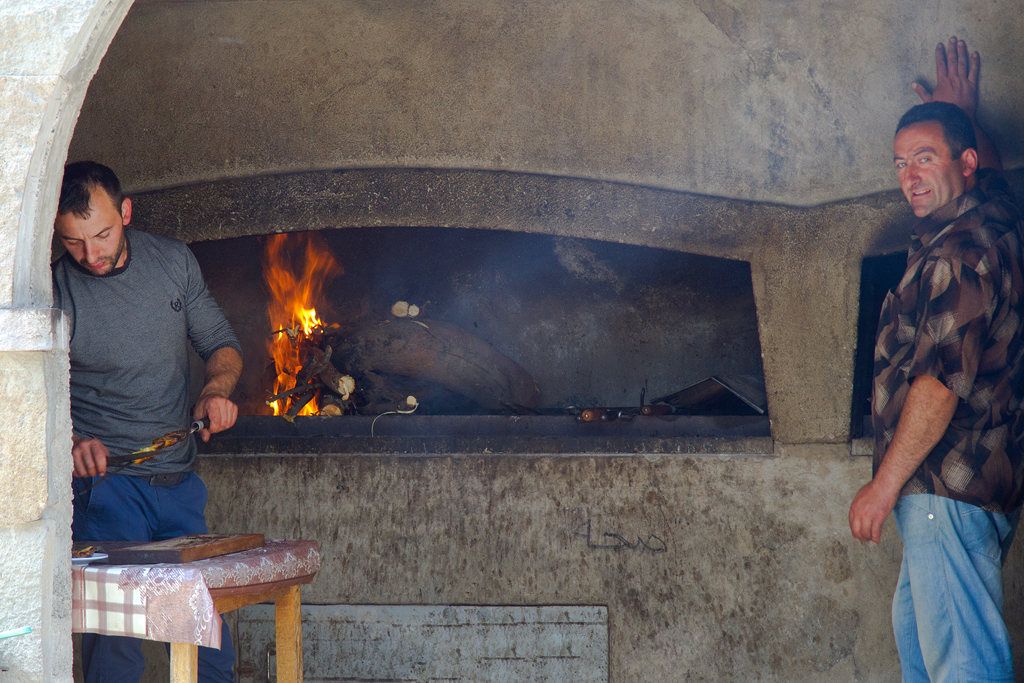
{"x": 929, "y": 228}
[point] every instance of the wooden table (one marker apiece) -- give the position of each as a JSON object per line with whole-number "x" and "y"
{"x": 182, "y": 603}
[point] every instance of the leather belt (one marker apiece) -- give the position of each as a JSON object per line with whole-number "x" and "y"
{"x": 172, "y": 479}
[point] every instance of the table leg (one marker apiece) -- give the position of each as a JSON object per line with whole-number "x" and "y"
{"x": 288, "y": 623}
{"x": 184, "y": 663}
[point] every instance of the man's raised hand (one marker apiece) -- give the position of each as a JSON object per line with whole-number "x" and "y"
{"x": 956, "y": 77}
{"x": 956, "y": 82}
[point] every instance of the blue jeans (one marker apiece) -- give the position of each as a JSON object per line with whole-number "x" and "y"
{"x": 947, "y": 613}
{"x": 126, "y": 508}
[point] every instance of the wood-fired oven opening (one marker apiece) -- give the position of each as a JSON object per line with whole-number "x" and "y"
{"x": 493, "y": 333}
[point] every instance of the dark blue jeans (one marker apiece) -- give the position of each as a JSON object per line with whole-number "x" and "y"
{"x": 130, "y": 509}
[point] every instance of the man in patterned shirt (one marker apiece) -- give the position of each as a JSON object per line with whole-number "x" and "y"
{"x": 948, "y": 384}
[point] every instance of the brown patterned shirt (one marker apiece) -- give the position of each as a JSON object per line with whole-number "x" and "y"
{"x": 957, "y": 316}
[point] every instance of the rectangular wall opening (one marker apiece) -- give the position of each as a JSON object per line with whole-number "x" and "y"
{"x": 517, "y": 336}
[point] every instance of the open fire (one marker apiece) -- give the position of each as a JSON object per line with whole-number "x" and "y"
{"x": 395, "y": 358}
{"x": 297, "y": 268}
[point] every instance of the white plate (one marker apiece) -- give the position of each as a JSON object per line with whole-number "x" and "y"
{"x": 76, "y": 561}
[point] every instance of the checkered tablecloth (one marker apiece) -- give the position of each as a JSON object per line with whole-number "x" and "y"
{"x": 172, "y": 602}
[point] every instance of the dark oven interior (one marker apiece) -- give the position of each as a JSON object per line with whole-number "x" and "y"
{"x": 520, "y": 339}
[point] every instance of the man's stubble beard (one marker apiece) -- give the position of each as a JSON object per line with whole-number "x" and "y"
{"x": 111, "y": 260}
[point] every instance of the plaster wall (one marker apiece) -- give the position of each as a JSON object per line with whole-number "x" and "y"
{"x": 760, "y": 579}
{"x": 788, "y": 102}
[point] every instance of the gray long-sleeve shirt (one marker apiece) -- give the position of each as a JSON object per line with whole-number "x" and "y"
{"x": 129, "y": 346}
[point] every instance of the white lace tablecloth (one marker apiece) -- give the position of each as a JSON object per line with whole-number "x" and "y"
{"x": 172, "y": 602}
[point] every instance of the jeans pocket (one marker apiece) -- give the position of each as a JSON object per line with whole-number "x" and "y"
{"x": 978, "y": 531}
{"x": 82, "y": 489}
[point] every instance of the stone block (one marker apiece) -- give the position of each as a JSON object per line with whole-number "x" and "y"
{"x": 23, "y": 102}
{"x": 23, "y": 436}
{"x": 32, "y": 565}
{"x": 43, "y": 32}
{"x": 30, "y": 329}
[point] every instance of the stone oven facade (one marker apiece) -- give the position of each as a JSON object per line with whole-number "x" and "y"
{"x": 696, "y": 127}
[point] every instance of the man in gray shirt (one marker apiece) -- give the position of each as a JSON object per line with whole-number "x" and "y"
{"x": 135, "y": 302}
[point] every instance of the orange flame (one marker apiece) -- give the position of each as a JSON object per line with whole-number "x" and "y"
{"x": 296, "y": 267}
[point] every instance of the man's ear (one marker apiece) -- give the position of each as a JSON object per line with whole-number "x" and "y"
{"x": 969, "y": 162}
{"x": 126, "y": 207}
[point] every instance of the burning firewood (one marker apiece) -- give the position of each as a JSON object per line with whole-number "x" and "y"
{"x": 297, "y": 389}
{"x": 317, "y": 364}
{"x": 298, "y": 403}
{"x": 297, "y": 268}
{"x": 330, "y": 405}
{"x": 318, "y": 379}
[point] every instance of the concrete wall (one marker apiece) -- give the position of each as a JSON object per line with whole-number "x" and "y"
{"x": 789, "y": 102}
{"x": 777, "y": 102}
{"x": 759, "y": 581}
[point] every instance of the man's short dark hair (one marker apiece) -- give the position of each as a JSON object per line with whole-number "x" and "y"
{"x": 80, "y": 178}
{"x": 957, "y": 128}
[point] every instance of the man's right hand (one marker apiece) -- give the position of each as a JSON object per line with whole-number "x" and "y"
{"x": 89, "y": 457}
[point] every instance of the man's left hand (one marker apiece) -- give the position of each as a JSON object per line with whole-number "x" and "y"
{"x": 221, "y": 411}
{"x": 869, "y": 509}
{"x": 956, "y": 77}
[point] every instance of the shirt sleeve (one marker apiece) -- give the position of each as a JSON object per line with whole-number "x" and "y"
{"x": 208, "y": 328}
{"x": 954, "y": 312}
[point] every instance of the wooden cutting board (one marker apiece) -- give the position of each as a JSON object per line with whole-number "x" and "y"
{"x": 183, "y": 548}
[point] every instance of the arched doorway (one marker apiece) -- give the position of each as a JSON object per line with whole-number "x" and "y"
{"x": 52, "y": 51}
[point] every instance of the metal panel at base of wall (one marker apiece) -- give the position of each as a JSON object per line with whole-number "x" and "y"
{"x": 427, "y": 643}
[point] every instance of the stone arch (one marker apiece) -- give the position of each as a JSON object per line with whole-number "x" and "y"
{"x": 54, "y": 48}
